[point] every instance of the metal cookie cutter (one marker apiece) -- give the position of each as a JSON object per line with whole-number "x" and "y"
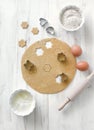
{"x": 50, "y": 30}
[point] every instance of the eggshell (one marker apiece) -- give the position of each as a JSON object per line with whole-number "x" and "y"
{"x": 82, "y": 65}
{"x": 76, "y": 50}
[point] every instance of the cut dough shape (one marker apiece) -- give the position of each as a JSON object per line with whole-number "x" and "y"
{"x": 24, "y": 25}
{"x": 48, "y": 67}
{"x": 35, "y": 30}
{"x": 22, "y": 43}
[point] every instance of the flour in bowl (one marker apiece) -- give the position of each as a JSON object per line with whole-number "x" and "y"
{"x": 22, "y": 102}
{"x": 71, "y": 18}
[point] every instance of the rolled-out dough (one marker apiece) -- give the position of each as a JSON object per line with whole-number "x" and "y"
{"x": 48, "y": 66}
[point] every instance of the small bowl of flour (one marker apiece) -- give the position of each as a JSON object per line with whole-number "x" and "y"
{"x": 71, "y": 18}
{"x": 22, "y": 102}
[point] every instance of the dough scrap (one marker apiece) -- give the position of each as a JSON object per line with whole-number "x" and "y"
{"x": 35, "y": 30}
{"x": 24, "y": 25}
{"x": 22, "y": 43}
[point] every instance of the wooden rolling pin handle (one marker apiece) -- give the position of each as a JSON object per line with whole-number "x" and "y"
{"x": 66, "y": 101}
{"x": 73, "y": 93}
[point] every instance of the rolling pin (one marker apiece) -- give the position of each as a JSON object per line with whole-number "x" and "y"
{"x": 74, "y": 92}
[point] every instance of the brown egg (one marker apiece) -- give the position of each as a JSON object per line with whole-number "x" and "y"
{"x": 82, "y": 65}
{"x": 76, "y": 50}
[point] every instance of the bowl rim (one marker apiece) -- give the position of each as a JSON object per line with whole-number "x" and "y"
{"x": 18, "y": 91}
{"x": 69, "y": 7}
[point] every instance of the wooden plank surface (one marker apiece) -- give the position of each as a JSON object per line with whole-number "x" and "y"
{"x": 46, "y": 115}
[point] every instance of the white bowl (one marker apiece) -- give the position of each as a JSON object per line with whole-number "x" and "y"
{"x": 16, "y": 99}
{"x": 75, "y": 8}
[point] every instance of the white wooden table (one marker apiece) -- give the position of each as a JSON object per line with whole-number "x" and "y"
{"x": 46, "y": 115}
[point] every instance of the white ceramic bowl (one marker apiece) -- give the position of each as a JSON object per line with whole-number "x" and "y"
{"x": 14, "y": 100}
{"x": 75, "y": 8}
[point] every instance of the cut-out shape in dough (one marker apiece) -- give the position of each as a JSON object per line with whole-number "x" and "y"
{"x": 58, "y": 79}
{"x": 61, "y": 78}
{"x": 39, "y": 52}
{"x": 61, "y": 57}
{"x": 47, "y": 68}
{"x": 30, "y": 66}
{"x": 48, "y": 45}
